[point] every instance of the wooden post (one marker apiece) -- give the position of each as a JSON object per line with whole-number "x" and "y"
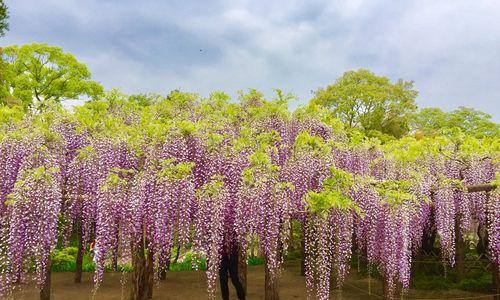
{"x": 459, "y": 244}
{"x": 495, "y": 268}
{"x": 459, "y": 252}
{"x": 459, "y": 241}
{"x": 45, "y": 288}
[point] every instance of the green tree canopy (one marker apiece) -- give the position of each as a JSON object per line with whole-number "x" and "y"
{"x": 4, "y": 15}
{"x": 432, "y": 121}
{"x": 146, "y": 99}
{"x": 363, "y": 100}
{"x": 38, "y": 74}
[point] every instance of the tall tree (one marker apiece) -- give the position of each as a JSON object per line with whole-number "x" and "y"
{"x": 4, "y": 26}
{"x": 4, "y": 15}
{"x": 431, "y": 121}
{"x": 38, "y": 74}
{"x": 369, "y": 102}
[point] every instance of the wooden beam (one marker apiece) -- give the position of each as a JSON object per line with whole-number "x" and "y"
{"x": 480, "y": 188}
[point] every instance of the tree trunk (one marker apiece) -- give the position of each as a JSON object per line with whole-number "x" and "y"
{"x": 115, "y": 262}
{"x": 271, "y": 291}
{"x": 303, "y": 252}
{"x": 115, "y": 254}
{"x": 149, "y": 275}
{"x": 429, "y": 236}
{"x": 291, "y": 243}
{"x": 482, "y": 243}
{"x": 79, "y": 255}
{"x": 177, "y": 254}
{"x": 362, "y": 262}
{"x": 459, "y": 252}
{"x": 139, "y": 285}
{"x": 165, "y": 266}
{"x": 45, "y": 288}
{"x": 163, "y": 274}
{"x": 496, "y": 280}
{"x": 384, "y": 289}
{"x": 252, "y": 247}
{"x": 242, "y": 268}
{"x": 397, "y": 292}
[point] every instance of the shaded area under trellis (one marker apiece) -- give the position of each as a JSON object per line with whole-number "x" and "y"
{"x": 192, "y": 285}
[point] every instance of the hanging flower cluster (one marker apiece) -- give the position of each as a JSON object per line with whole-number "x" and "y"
{"x": 34, "y": 207}
{"x": 328, "y": 234}
{"x": 270, "y": 208}
{"x": 209, "y": 226}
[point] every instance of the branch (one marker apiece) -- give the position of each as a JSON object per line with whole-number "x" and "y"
{"x": 451, "y": 158}
{"x": 483, "y": 187}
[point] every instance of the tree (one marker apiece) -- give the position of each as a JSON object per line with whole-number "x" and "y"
{"x": 364, "y": 100}
{"x": 145, "y": 99}
{"x": 4, "y": 15}
{"x": 38, "y": 74}
{"x": 430, "y": 121}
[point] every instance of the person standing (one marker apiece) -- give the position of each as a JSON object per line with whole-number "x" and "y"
{"x": 229, "y": 266}
{"x": 229, "y": 258}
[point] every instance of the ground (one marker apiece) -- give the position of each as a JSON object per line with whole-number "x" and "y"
{"x": 192, "y": 285}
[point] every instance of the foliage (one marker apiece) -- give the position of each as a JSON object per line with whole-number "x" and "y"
{"x": 38, "y": 75}
{"x": 255, "y": 261}
{"x": 4, "y": 15}
{"x": 433, "y": 121}
{"x": 64, "y": 259}
{"x": 361, "y": 99}
{"x": 189, "y": 262}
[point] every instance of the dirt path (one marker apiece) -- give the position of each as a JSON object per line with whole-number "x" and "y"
{"x": 191, "y": 285}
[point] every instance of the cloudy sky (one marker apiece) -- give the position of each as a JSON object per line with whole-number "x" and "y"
{"x": 451, "y": 49}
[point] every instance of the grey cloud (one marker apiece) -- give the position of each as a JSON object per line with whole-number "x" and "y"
{"x": 451, "y": 49}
